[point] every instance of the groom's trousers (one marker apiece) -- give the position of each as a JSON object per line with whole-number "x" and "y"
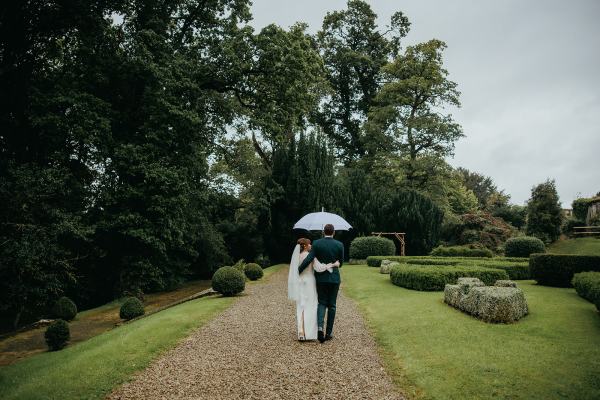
{"x": 327, "y": 296}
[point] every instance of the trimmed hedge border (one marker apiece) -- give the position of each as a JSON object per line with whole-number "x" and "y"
{"x": 587, "y": 285}
{"x": 461, "y": 251}
{"x": 375, "y": 261}
{"x": 558, "y": 269}
{"x": 435, "y": 278}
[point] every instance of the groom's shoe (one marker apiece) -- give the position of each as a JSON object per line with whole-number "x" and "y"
{"x": 321, "y": 336}
{"x": 329, "y": 336}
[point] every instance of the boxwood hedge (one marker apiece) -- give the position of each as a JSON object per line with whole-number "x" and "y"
{"x": 523, "y": 246}
{"x": 365, "y": 246}
{"x": 375, "y": 261}
{"x": 587, "y": 285}
{"x": 515, "y": 270}
{"x": 558, "y": 269}
{"x": 461, "y": 251}
{"x": 434, "y": 278}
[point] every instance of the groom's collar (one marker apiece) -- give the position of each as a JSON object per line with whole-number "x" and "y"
{"x": 330, "y": 237}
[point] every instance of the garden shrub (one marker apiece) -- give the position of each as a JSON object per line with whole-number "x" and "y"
{"x": 240, "y": 265}
{"x": 569, "y": 225}
{"x": 365, "y": 246}
{"x": 432, "y": 261}
{"x": 229, "y": 281}
{"x": 558, "y": 269}
{"x": 523, "y": 246}
{"x": 515, "y": 270}
{"x": 253, "y": 271}
{"x": 386, "y": 266}
{"x": 263, "y": 261}
{"x": 461, "y": 251}
{"x": 587, "y": 285}
{"x": 131, "y": 308}
{"x": 375, "y": 261}
{"x": 434, "y": 278}
{"x": 64, "y": 308}
{"x": 57, "y": 335}
{"x": 500, "y": 303}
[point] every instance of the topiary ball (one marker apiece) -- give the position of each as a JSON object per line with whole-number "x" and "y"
{"x": 253, "y": 271}
{"x": 64, "y": 308}
{"x": 228, "y": 281}
{"x": 365, "y": 246}
{"x": 57, "y": 335}
{"x": 131, "y": 308}
{"x": 523, "y": 246}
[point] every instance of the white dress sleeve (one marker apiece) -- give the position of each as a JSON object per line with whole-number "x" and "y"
{"x": 320, "y": 267}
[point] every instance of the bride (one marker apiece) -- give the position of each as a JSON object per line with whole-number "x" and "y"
{"x": 302, "y": 288}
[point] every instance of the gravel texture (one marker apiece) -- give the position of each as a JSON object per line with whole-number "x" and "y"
{"x": 250, "y": 352}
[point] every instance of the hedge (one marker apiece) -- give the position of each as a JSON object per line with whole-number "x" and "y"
{"x": 587, "y": 285}
{"x": 523, "y": 246}
{"x": 558, "y": 269}
{"x": 253, "y": 271}
{"x": 65, "y": 308}
{"x": 503, "y": 302}
{"x": 375, "y": 261}
{"x": 365, "y": 246}
{"x": 461, "y": 251}
{"x": 57, "y": 335}
{"x": 516, "y": 271}
{"x": 229, "y": 281}
{"x": 131, "y": 308}
{"x": 434, "y": 278}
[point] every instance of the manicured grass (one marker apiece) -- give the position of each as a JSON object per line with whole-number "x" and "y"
{"x": 435, "y": 351}
{"x": 584, "y": 246}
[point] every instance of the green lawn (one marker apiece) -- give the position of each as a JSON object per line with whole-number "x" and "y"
{"x": 91, "y": 369}
{"x": 588, "y": 245}
{"x": 434, "y": 351}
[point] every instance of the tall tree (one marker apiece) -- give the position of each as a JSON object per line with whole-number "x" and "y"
{"x": 488, "y": 195}
{"x": 354, "y": 50}
{"x": 544, "y": 213}
{"x": 409, "y": 109}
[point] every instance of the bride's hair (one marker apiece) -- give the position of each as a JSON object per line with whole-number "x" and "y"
{"x": 303, "y": 242}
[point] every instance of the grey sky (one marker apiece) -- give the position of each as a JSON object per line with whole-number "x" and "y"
{"x": 529, "y": 73}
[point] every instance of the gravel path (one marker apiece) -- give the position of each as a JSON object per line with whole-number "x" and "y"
{"x": 251, "y": 352}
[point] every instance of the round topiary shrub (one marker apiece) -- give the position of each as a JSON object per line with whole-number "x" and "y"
{"x": 64, "y": 308}
{"x": 131, "y": 308}
{"x": 57, "y": 335}
{"x": 229, "y": 281}
{"x": 253, "y": 271}
{"x": 523, "y": 246}
{"x": 365, "y": 246}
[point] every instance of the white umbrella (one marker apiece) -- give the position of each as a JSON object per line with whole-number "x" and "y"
{"x": 316, "y": 221}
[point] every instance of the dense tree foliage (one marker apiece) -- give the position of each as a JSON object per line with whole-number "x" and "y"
{"x": 144, "y": 143}
{"x": 544, "y": 214}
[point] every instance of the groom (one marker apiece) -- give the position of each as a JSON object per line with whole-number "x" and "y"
{"x": 326, "y": 250}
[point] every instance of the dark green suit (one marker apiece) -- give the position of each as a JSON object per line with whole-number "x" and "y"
{"x": 326, "y": 250}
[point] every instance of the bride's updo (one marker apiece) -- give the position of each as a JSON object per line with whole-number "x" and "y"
{"x": 303, "y": 242}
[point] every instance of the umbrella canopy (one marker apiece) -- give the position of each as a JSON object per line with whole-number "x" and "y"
{"x": 316, "y": 221}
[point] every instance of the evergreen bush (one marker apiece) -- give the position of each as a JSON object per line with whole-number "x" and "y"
{"x": 57, "y": 335}
{"x": 131, "y": 308}
{"x": 253, "y": 271}
{"x": 365, "y": 246}
{"x": 523, "y": 246}
{"x": 587, "y": 285}
{"x": 229, "y": 281}
{"x": 558, "y": 269}
{"x": 435, "y": 278}
{"x": 461, "y": 251}
{"x": 64, "y": 308}
{"x": 500, "y": 303}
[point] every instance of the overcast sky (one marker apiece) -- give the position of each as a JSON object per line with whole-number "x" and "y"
{"x": 529, "y": 73}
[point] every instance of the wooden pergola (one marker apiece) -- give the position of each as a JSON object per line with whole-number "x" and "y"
{"x": 398, "y": 235}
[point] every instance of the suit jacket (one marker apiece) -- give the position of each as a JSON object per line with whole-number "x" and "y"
{"x": 326, "y": 250}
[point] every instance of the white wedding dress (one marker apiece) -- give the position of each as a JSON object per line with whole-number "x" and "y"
{"x": 302, "y": 288}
